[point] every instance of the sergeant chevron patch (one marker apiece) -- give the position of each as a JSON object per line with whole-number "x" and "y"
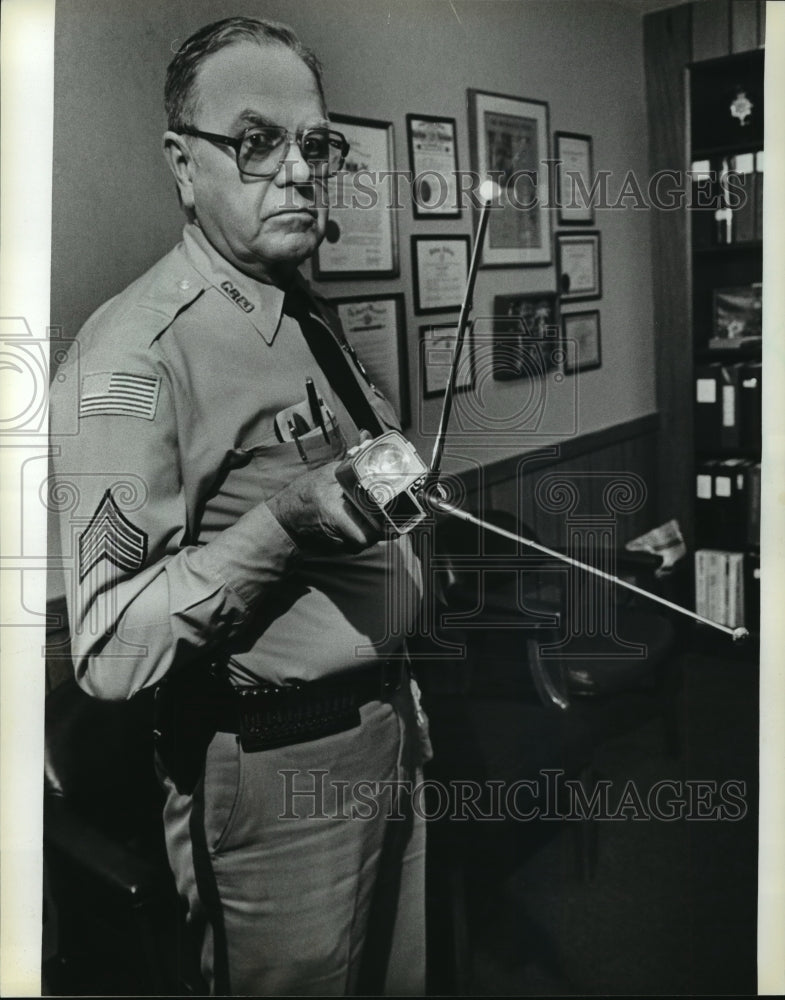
{"x": 111, "y": 536}
{"x": 119, "y": 394}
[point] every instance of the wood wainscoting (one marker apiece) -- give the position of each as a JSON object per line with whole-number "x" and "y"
{"x": 527, "y": 486}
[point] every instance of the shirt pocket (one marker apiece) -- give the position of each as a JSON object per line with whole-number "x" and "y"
{"x": 257, "y": 472}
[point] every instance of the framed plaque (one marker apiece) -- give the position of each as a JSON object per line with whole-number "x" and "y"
{"x": 433, "y": 159}
{"x": 374, "y": 326}
{"x": 574, "y": 177}
{"x": 437, "y": 350}
{"x": 362, "y": 236}
{"x": 440, "y": 265}
{"x": 581, "y": 341}
{"x": 508, "y": 139}
{"x": 579, "y": 266}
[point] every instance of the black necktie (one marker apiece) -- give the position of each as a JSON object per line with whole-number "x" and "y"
{"x": 333, "y": 361}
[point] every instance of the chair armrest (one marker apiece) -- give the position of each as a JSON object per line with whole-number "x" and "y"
{"x": 110, "y": 862}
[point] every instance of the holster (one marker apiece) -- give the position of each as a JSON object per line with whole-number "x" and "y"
{"x": 186, "y": 720}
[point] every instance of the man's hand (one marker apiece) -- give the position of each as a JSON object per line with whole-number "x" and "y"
{"x": 314, "y": 512}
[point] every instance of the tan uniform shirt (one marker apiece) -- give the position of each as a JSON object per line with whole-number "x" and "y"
{"x": 166, "y": 448}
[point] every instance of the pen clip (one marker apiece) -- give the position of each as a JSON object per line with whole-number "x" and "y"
{"x": 296, "y": 438}
{"x": 315, "y": 404}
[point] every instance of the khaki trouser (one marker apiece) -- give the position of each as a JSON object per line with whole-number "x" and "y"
{"x": 302, "y": 872}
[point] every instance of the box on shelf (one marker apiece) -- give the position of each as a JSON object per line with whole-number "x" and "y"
{"x": 719, "y": 586}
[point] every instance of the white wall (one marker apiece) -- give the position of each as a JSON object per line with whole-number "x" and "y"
{"x": 115, "y": 210}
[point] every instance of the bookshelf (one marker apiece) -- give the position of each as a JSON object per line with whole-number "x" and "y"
{"x": 725, "y": 261}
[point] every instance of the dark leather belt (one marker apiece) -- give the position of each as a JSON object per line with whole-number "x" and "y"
{"x": 269, "y": 715}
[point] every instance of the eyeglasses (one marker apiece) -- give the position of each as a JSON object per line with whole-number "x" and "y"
{"x": 261, "y": 150}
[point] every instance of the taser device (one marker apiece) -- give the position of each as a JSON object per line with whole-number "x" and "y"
{"x": 384, "y": 478}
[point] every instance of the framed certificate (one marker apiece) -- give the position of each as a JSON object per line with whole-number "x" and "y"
{"x": 441, "y": 266}
{"x": 433, "y": 159}
{"x": 581, "y": 341}
{"x": 508, "y": 139}
{"x": 579, "y": 266}
{"x": 362, "y": 236}
{"x": 374, "y": 326}
{"x": 437, "y": 350}
{"x": 574, "y": 177}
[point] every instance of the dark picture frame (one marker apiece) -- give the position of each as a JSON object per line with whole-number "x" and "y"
{"x": 362, "y": 232}
{"x": 579, "y": 266}
{"x": 440, "y": 267}
{"x": 527, "y": 337}
{"x": 433, "y": 151}
{"x": 509, "y": 144}
{"x": 582, "y": 341}
{"x": 574, "y": 155}
{"x": 437, "y": 349}
{"x": 367, "y": 321}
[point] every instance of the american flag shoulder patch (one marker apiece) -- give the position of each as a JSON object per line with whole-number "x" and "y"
{"x": 119, "y": 394}
{"x": 111, "y": 536}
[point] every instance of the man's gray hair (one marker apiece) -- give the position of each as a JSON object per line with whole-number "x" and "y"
{"x": 180, "y": 91}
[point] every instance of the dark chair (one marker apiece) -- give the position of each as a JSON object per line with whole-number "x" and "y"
{"x": 117, "y": 910}
{"x": 529, "y": 695}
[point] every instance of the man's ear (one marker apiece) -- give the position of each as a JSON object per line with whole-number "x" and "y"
{"x": 179, "y": 157}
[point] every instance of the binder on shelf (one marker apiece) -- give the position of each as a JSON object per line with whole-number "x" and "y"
{"x": 729, "y": 431}
{"x": 710, "y": 584}
{"x": 723, "y": 216}
{"x": 728, "y": 406}
{"x": 701, "y": 588}
{"x": 720, "y": 586}
{"x": 743, "y": 195}
{"x": 707, "y": 602}
{"x": 734, "y": 589}
{"x": 702, "y": 203}
{"x": 704, "y": 502}
{"x": 729, "y": 517}
{"x": 759, "y": 195}
{"x": 750, "y": 399}
{"x": 752, "y": 591}
{"x": 753, "y": 504}
{"x": 708, "y": 405}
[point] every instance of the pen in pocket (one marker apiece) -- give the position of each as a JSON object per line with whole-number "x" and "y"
{"x": 296, "y": 438}
{"x": 314, "y": 403}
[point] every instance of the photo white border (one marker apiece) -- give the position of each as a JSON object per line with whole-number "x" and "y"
{"x": 27, "y": 61}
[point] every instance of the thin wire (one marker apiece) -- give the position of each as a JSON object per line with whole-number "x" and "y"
{"x": 737, "y": 633}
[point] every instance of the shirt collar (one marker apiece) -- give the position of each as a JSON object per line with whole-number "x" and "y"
{"x": 261, "y": 304}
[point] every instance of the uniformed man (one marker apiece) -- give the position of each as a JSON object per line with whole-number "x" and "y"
{"x": 214, "y": 554}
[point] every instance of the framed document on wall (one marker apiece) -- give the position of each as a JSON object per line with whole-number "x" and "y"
{"x": 437, "y": 350}
{"x": 582, "y": 341}
{"x": 574, "y": 177}
{"x": 509, "y": 144}
{"x": 374, "y": 326}
{"x": 440, "y": 265}
{"x": 579, "y": 266}
{"x": 433, "y": 158}
{"x": 362, "y": 235}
